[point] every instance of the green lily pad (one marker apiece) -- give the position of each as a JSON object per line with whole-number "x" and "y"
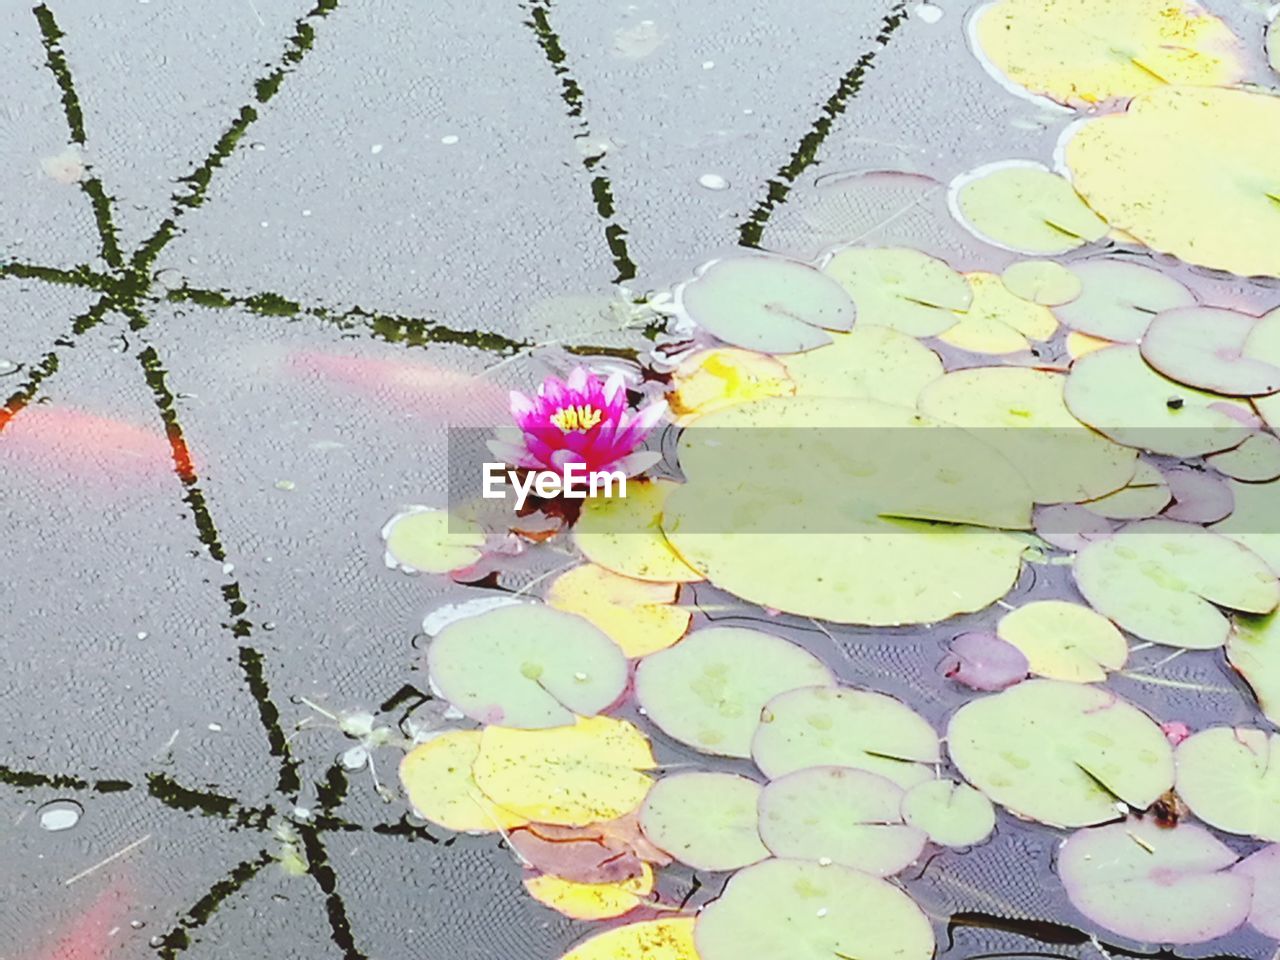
{"x": 707, "y": 820}
{"x": 1253, "y": 522}
{"x": 1262, "y": 869}
{"x": 526, "y": 666}
{"x": 872, "y": 363}
{"x": 1230, "y": 778}
{"x": 1044, "y": 282}
{"x": 843, "y": 727}
{"x": 1119, "y": 299}
{"x": 1263, "y": 345}
{"x": 1257, "y": 460}
{"x": 1253, "y": 649}
{"x": 1117, "y": 393}
{"x": 900, "y": 288}
{"x": 998, "y": 321}
{"x": 1023, "y": 206}
{"x": 1164, "y": 581}
{"x": 1155, "y": 884}
{"x": 1065, "y": 641}
{"x": 807, "y": 911}
{"x": 708, "y": 689}
{"x": 1061, "y": 753}
{"x": 1145, "y": 495}
{"x": 423, "y": 539}
{"x": 766, "y": 303}
{"x": 841, "y": 815}
{"x": 951, "y": 814}
{"x": 1204, "y": 347}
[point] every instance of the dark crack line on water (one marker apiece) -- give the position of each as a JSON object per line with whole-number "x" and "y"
{"x": 30, "y": 780}
{"x": 253, "y": 666}
{"x": 806, "y": 153}
{"x": 81, "y": 275}
{"x": 178, "y": 938}
{"x": 571, "y": 94}
{"x": 327, "y": 880}
{"x": 208, "y": 803}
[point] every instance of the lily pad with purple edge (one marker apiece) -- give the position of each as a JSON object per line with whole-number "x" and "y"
{"x": 1198, "y": 496}
{"x": 1264, "y": 345}
{"x": 952, "y": 814}
{"x": 982, "y": 661}
{"x": 900, "y": 288}
{"x": 1257, "y": 460}
{"x": 1120, "y": 298}
{"x": 1154, "y": 884}
{"x": 1204, "y": 347}
{"x": 527, "y": 666}
{"x": 1230, "y": 778}
{"x": 1253, "y": 650}
{"x": 766, "y": 303}
{"x": 705, "y": 820}
{"x": 801, "y": 910}
{"x": 841, "y": 815}
{"x": 427, "y": 540}
{"x": 1165, "y": 581}
{"x": 1145, "y": 495}
{"x": 1061, "y": 753}
{"x": 1263, "y": 869}
{"x": 1069, "y": 526}
{"x": 844, "y": 727}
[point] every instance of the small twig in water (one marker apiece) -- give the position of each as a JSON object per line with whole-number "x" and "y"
{"x": 115, "y": 856}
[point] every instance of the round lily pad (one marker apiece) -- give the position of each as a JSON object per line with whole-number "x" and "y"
{"x": 1061, "y": 753}
{"x": 839, "y": 814}
{"x": 998, "y": 321}
{"x": 526, "y": 666}
{"x": 982, "y": 661}
{"x": 423, "y": 539}
{"x": 710, "y": 379}
{"x": 1119, "y": 395}
{"x": 437, "y": 777}
{"x": 1257, "y": 460}
{"x": 1253, "y": 649}
{"x": 639, "y": 616}
{"x": 1154, "y": 884}
{"x": 1069, "y": 526}
{"x": 1145, "y": 495}
{"x": 1065, "y": 641}
{"x": 1164, "y": 581}
{"x": 1203, "y": 347}
{"x": 800, "y": 910}
{"x": 1042, "y": 281}
{"x": 708, "y": 690}
{"x": 669, "y": 939}
{"x": 1120, "y": 298}
{"x": 1230, "y": 780}
{"x": 1253, "y": 522}
{"x": 706, "y": 820}
{"x": 766, "y": 303}
{"x": 873, "y": 363}
{"x": 1023, "y": 206}
{"x": 900, "y": 288}
{"x": 1198, "y": 496}
{"x": 624, "y": 534}
{"x": 1188, "y": 171}
{"x": 840, "y": 726}
{"x": 1262, "y": 869}
{"x": 951, "y": 814}
{"x": 591, "y": 901}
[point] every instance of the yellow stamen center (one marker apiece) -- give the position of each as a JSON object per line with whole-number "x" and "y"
{"x": 582, "y": 417}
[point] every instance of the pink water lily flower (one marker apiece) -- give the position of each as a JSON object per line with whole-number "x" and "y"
{"x": 581, "y": 420}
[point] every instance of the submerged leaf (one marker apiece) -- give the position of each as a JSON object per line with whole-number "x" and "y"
{"x": 998, "y": 321}
{"x": 722, "y": 377}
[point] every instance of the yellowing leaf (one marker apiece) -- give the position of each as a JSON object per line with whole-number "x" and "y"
{"x": 576, "y": 775}
{"x": 437, "y": 777}
{"x": 650, "y": 940}
{"x": 624, "y": 534}
{"x": 591, "y": 901}
{"x": 1065, "y": 641}
{"x": 998, "y": 321}
{"x": 711, "y": 379}
{"x": 868, "y": 362}
{"x": 1079, "y": 344}
{"x": 1023, "y": 206}
{"x": 637, "y": 615}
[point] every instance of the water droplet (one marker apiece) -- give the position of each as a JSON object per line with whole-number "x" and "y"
{"x": 356, "y": 724}
{"x": 708, "y": 64}
{"x": 57, "y": 815}
{"x": 142, "y": 634}
{"x": 228, "y": 567}
{"x": 376, "y": 149}
{"x": 301, "y": 813}
{"x": 257, "y": 146}
{"x": 170, "y": 279}
{"x": 927, "y": 12}
{"x": 580, "y": 677}
{"x": 7, "y": 367}
{"x": 285, "y": 485}
{"x": 450, "y": 140}
{"x": 269, "y": 626}
{"x": 822, "y": 912}
{"x": 713, "y": 181}
{"x": 215, "y": 727}
{"x": 354, "y": 759}
{"x": 824, "y": 861}
{"x": 156, "y": 941}
{"x": 137, "y": 924}
{"x": 306, "y": 213}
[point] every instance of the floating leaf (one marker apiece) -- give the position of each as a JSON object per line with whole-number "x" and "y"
{"x": 1189, "y": 171}
{"x": 526, "y": 666}
{"x": 841, "y": 815}
{"x": 766, "y": 303}
{"x": 798, "y": 910}
{"x": 1084, "y": 51}
{"x": 711, "y": 379}
{"x": 1257, "y": 460}
{"x": 1263, "y": 870}
{"x": 1119, "y": 395}
{"x": 591, "y": 901}
{"x": 708, "y": 690}
{"x": 1065, "y": 641}
{"x": 952, "y": 814}
{"x": 1253, "y": 522}
{"x": 590, "y": 772}
{"x": 1198, "y": 496}
{"x": 1143, "y": 496}
{"x": 437, "y": 777}
{"x": 1061, "y": 753}
{"x": 1230, "y": 778}
{"x": 1021, "y": 413}
{"x": 1164, "y": 581}
{"x": 900, "y": 288}
{"x": 577, "y": 854}
{"x": 624, "y": 534}
{"x": 843, "y": 727}
{"x": 423, "y": 539}
{"x": 706, "y": 820}
{"x": 636, "y": 614}
{"x": 1069, "y": 526}
{"x": 1081, "y": 344}
{"x": 1253, "y": 649}
{"x": 1023, "y": 206}
{"x": 1044, "y": 282}
{"x": 982, "y": 661}
{"x": 998, "y": 321}
{"x": 670, "y": 939}
{"x": 1119, "y": 299}
{"x": 1263, "y": 344}
{"x": 1154, "y": 884}
{"x": 1204, "y": 347}
{"x": 873, "y": 363}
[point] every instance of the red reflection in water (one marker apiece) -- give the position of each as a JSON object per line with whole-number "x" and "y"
{"x": 86, "y": 446}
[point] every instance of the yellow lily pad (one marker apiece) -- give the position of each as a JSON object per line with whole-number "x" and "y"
{"x": 1081, "y": 344}
{"x": 868, "y": 362}
{"x": 592, "y": 901}
{"x": 670, "y": 939}
{"x": 1065, "y": 641}
{"x": 1023, "y": 206}
{"x": 724, "y": 376}
{"x": 900, "y": 288}
{"x": 1044, "y": 282}
{"x": 437, "y": 777}
{"x": 998, "y": 321}
{"x": 624, "y": 534}
{"x": 637, "y": 615}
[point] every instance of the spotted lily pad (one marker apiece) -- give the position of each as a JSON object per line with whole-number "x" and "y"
{"x": 706, "y": 820}
{"x": 1042, "y": 281}
{"x": 591, "y": 901}
{"x": 1204, "y": 347}
{"x": 1061, "y": 753}
{"x": 1164, "y": 581}
{"x": 766, "y": 303}
{"x": 874, "y": 363}
{"x": 708, "y": 690}
{"x": 1120, "y": 298}
{"x": 841, "y": 815}
{"x": 998, "y": 321}
{"x": 1154, "y": 884}
{"x": 1065, "y": 641}
{"x": 800, "y": 910}
{"x": 624, "y": 534}
{"x": 638, "y": 615}
{"x": 1189, "y": 171}
{"x": 1023, "y": 206}
{"x": 1257, "y": 460}
{"x": 431, "y": 541}
{"x": 526, "y": 666}
{"x": 982, "y": 661}
{"x": 1230, "y": 778}
{"x": 711, "y": 379}
{"x": 900, "y": 288}
{"x": 1145, "y": 495}
{"x": 1263, "y": 870}
{"x": 840, "y": 726}
{"x": 951, "y": 814}
{"x": 1119, "y": 395}
{"x": 669, "y": 939}
{"x": 437, "y": 777}
{"x": 1253, "y": 649}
